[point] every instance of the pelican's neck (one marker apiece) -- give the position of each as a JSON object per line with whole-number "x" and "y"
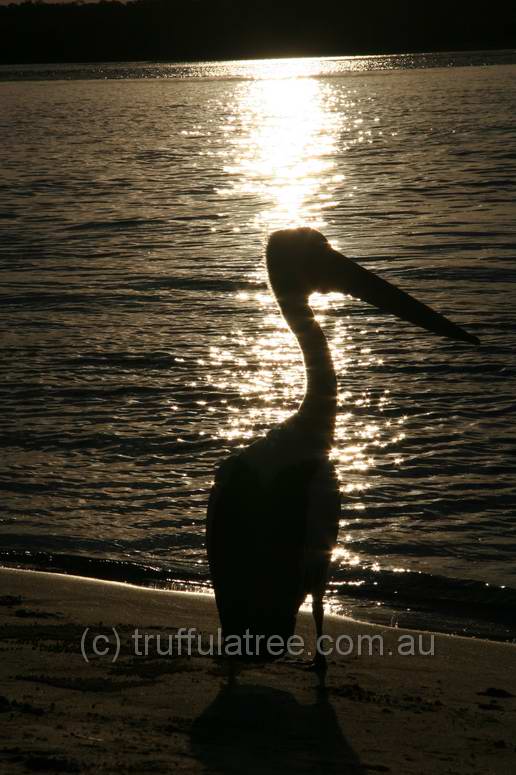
{"x": 319, "y": 406}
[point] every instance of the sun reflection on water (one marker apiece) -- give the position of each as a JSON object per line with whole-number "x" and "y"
{"x": 286, "y": 156}
{"x": 284, "y": 133}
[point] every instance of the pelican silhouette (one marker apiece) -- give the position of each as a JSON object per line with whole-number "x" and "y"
{"x": 274, "y": 509}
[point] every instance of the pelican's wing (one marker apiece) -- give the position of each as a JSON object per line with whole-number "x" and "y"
{"x": 323, "y": 517}
{"x": 256, "y": 540}
{"x": 233, "y": 510}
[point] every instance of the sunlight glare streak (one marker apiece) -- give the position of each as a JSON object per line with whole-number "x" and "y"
{"x": 286, "y": 156}
{"x": 283, "y": 134}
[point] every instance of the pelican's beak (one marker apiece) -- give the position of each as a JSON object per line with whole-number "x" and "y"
{"x": 351, "y": 278}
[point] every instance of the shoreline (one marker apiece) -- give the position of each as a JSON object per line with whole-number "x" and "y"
{"x": 448, "y": 619}
{"x": 450, "y": 711}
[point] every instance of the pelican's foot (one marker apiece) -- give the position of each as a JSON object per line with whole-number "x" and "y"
{"x": 228, "y": 668}
{"x": 318, "y": 664}
{"x": 300, "y": 664}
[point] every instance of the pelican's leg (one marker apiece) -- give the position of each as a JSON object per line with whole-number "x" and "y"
{"x": 231, "y": 682}
{"x": 319, "y": 662}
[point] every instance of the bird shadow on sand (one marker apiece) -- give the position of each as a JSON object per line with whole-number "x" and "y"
{"x": 256, "y": 729}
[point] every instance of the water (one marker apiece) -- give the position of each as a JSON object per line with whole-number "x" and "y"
{"x": 140, "y": 343}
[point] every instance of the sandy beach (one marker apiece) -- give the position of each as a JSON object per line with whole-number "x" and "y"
{"x": 63, "y": 709}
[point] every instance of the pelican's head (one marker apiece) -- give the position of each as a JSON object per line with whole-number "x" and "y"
{"x": 298, "y": 261}
{"x": 302, "y": 261}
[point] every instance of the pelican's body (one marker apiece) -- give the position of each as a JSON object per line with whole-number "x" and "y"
{"x": 274, "y": 510}
{"x": 273, "y": 519}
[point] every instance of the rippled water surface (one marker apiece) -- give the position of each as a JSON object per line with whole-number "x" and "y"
{"x": 140, "y": 342}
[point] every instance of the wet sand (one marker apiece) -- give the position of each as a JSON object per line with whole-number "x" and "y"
{"x": 450, "y": 712}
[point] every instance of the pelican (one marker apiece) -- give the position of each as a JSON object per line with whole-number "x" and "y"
{"x": 274, "y": 509}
